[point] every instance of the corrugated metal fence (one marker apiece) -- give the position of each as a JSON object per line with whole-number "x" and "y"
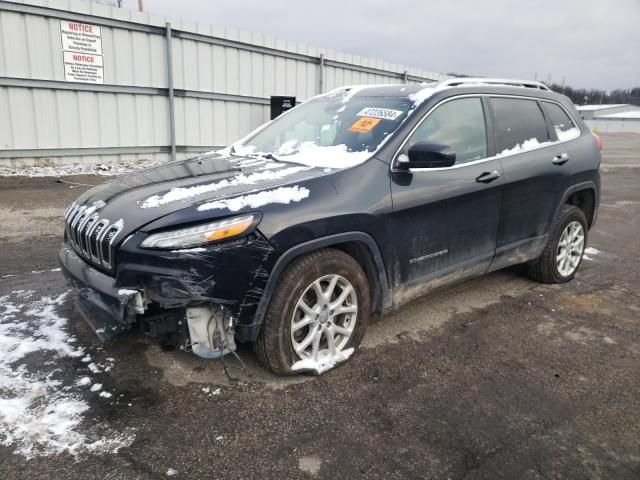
{"x": 167, "y": 86}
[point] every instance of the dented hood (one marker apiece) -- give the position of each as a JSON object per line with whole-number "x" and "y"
{"x": 142, "y": 197}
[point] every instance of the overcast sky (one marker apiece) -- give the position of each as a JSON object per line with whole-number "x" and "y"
{"x": 593, "y": 43}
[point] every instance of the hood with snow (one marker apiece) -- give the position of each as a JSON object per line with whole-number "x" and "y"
{"x": 211, "y": 183}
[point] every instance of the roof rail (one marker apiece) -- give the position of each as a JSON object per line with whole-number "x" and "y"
{"x": 460, "y": 81}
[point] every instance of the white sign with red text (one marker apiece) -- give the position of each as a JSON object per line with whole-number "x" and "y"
{"x": 82, "y": 67}
{"x": 82, "y": 52}
{"x": 81, "y": 37}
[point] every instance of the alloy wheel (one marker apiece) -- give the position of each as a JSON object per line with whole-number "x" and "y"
{"x": 324, "y": 318}
{"x": 570, "y": 249}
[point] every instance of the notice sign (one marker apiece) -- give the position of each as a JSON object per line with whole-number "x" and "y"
{"x": 81, "y": 37}
{"x": 81, "y": 67}
{"x": 82, "y": 52}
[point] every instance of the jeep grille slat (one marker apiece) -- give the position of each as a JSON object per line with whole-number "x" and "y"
{"x": 92, "y": 237}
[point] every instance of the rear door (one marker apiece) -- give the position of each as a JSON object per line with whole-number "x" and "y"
{"x": 535, "y": 177}
{"x": 445, "y": 220}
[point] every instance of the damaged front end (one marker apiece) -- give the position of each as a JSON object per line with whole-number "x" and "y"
{"x": 207, "y": 330}
{"x": 211, "y": 332}
{"x": 198, "y": 300}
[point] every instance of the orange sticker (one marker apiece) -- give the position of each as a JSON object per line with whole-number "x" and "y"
{"x": 364, "y": 125}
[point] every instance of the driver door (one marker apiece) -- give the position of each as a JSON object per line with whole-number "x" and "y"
{"x": 445, "y": 220}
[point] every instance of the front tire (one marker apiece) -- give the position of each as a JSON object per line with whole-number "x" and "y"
{"x": 563, "y": 253}
{"x": 318, "y": 313}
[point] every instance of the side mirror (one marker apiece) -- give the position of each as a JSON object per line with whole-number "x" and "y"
{"x": 427, "y": 155}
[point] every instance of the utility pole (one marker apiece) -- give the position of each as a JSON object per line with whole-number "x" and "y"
{"x": 140, "y": 6}
{"x": 563, "y": 84}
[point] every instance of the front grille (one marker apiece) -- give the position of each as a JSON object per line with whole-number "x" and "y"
{"x": 92, "y": 237}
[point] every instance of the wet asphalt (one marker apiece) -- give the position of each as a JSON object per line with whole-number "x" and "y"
{"x": 498, "y": 377}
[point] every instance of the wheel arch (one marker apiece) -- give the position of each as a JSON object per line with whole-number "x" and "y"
{"x": 361, "y": 246}
{"x": 585, "y": 197}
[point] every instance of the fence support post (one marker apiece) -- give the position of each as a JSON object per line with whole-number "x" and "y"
{"x": 321, "y": 77}
{"x": 405, "y": 77}
{"x": 172, "y": 115}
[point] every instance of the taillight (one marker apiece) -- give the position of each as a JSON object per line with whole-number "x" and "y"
{"x": 598, "y": 141}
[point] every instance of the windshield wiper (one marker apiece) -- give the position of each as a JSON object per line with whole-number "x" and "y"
{"x": 267, "y": 155}
{"x": 232, "y": 152}
{"x": 271, "y": 156}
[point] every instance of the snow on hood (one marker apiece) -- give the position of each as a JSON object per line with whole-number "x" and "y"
{"x": 39, "y": 415}
{"x": 184, "y": 193}
{"x": 283, "y": 195}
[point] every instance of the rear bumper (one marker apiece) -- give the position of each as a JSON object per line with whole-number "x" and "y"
{"x": 104, "y": 307}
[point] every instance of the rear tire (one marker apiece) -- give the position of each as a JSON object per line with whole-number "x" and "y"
{"x": 305, "y": 294}
{"x": 563, "y": 253}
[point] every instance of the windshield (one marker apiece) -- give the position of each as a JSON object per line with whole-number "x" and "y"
{"x": 330, "y": 131}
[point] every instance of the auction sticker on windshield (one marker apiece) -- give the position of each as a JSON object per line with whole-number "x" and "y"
{"x": 364, "y": 125}
{"x": 383, "y": 113}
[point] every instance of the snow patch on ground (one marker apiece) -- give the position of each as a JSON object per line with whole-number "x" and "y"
{"x": 38, "y": 414}
{"x": 32, "y": 272}
{"x": 284, "y": 195}
{"x": 322, "y": 364}
{"x": 107, "y": 169}
{"x": 589, "y": 253}
{"x": 184, "y": 193}
{"x": 310, "y": 464}
{"x": 211, "y": 392}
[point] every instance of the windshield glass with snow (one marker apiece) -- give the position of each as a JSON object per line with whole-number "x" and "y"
{"x": 330, "y": 131}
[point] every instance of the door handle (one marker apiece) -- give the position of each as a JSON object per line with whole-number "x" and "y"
{"x": 488, "y": 177}
{"x": 561, "y": 159}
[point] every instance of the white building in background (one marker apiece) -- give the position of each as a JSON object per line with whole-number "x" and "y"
{"x": 589, "y": 112}
{"x": 611, "y": 118}
{"x": 85, "y": 83}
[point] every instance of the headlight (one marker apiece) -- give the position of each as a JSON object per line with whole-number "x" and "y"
{"x": 200, "y": 234}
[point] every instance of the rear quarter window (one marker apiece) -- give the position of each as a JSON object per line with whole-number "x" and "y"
{"x": 562, "y": 124}
{"x": 519, "y": 125}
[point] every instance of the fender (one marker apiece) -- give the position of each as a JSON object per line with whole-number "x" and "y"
{"x": 589, "y": 185}
{"x": 250, "y": 332}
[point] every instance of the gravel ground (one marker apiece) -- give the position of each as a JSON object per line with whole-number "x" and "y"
{"x": 498, "y": 377}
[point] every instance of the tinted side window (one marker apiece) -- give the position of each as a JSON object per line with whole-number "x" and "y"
{"x": 562, "y": 123}
{"x": 520, "y": 124}
{"x": 457, "y": 123}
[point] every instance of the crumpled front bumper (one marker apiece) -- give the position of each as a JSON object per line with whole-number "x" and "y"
{"x": 109, "y": 310}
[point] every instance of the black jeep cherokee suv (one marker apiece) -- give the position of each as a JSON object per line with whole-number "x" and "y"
{"x": 348, "y": 205}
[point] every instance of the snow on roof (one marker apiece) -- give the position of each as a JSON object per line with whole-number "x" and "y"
{"x": 631, "y": 114}
{"x": 599, "y": 107}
